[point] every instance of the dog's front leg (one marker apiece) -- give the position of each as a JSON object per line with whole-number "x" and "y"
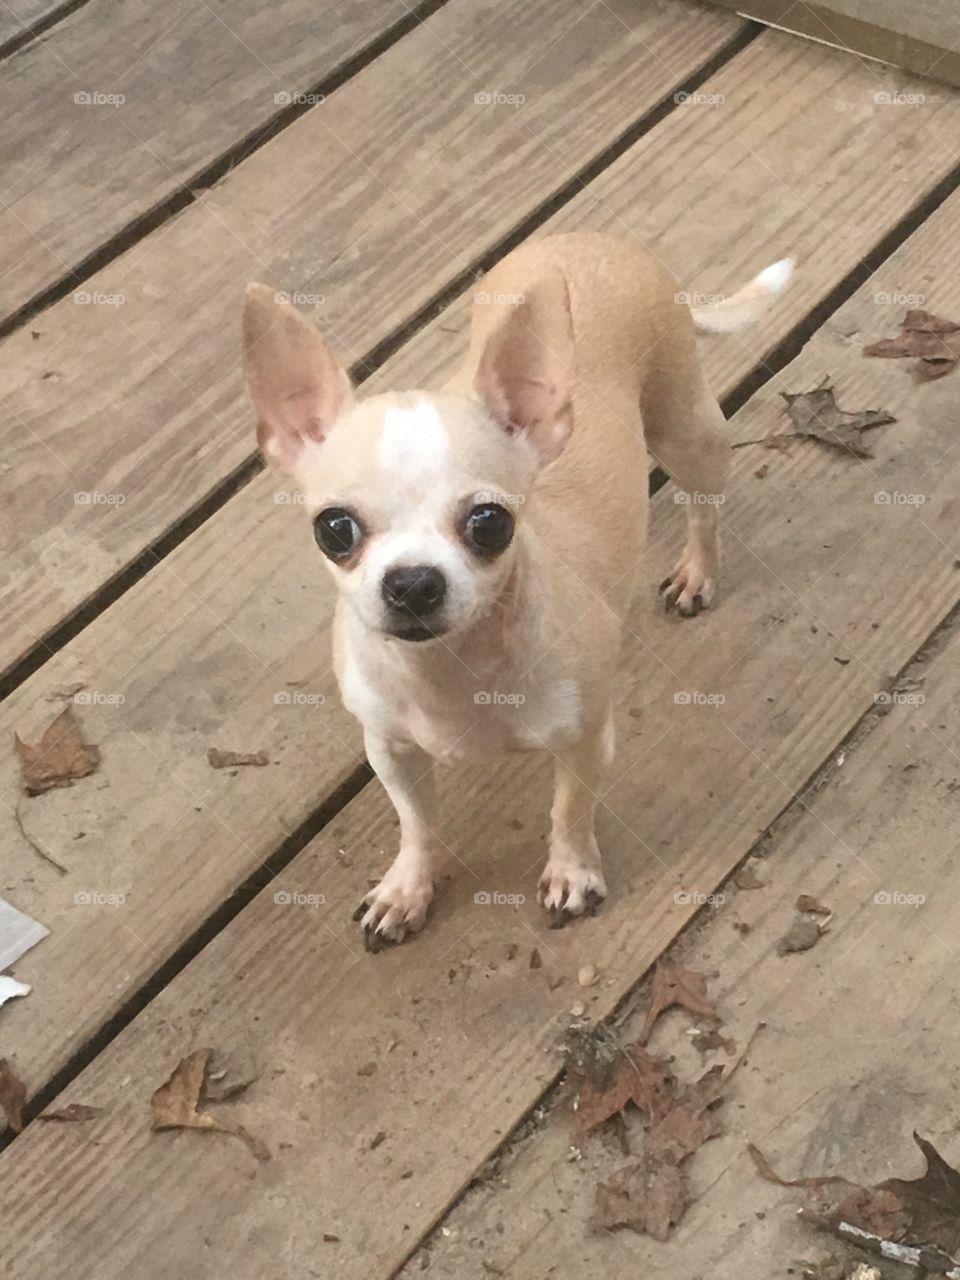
{"x": 572, "y": 883}
{"x": 398, "y": 905}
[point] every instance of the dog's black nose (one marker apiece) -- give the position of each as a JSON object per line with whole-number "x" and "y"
{"x": 415, "y": 592}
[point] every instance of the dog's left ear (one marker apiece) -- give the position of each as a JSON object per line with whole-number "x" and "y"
{"x": 298, "y": 386}
{"x": 525, "y": 375}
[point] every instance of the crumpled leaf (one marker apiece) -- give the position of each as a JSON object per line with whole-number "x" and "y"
{"x": 690, "y": 1120}
{"x": 674, "y": 985}
{"x": 58, "y": 758}
{"x": 633, "y": 1076}
{"x": 934, "y": 341}
{"x": 230, "y": 759}
{"x": 803, "y": 934}
{"x": 923, "y": 1212}
{"x": 175, "y": 1104}
{"x": 648, "y": 1195}
{"x": 816, "y": 414}
{"x": 13, "y": 1094}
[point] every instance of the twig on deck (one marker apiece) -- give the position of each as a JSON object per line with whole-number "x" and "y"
{"x": 34, "y": 844}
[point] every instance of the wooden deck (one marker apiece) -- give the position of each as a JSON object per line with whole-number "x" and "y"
{"x": 408, "y": 1099}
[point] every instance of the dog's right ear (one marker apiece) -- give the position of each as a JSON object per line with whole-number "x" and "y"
{"x": 298, "y": 386}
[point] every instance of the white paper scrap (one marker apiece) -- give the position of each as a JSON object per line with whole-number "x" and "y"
{"x": 18, "y": 933}
{"x": 10, "y": 987}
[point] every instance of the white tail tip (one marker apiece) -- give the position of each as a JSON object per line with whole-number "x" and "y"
{"x": 747, "y": 305}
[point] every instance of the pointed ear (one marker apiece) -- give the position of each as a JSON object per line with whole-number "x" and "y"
{"x": 525, "y": 375}
{"x": 297, "y": 385}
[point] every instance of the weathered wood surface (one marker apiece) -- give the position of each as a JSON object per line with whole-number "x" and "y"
{"x": 385, "y": 1082}
{"x": 409, "y": 180}
{"x": 20, "y": 16}
{"x": 858, "y": 1050}
{"x": 121, "y": 105}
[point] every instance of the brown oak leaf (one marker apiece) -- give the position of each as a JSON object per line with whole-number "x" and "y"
{"x": 58, "y": 758}
{"x": 933, "y": 341}
{"x": 175, "y": 1104}
{"x": 816, "y": 414}
{"x": 673, "y": 985}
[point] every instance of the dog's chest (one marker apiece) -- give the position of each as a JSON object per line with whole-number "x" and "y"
{"x": 457, "y": 715}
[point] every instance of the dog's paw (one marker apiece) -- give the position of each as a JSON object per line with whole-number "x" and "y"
{"x": 395, "y": 908}
{"x": 568, "y": 889}
{"x": 689, "y": 588}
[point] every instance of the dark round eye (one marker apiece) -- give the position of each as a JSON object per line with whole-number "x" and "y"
{"x": 337, "y": 532}
{"x": 488, "y": 528}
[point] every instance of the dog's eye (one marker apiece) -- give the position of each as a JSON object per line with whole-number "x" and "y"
{"x": 489, "y": 528}
{"x": 337, "y": 532}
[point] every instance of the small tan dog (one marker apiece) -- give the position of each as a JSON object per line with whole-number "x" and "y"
{"x": 486, "y": 538}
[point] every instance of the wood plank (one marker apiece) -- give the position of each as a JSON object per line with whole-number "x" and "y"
{"x": 183, "y": 83}
{"x": 392, "y": 1078}
{"x": 18, "y": 17}
{"x": 142, "y": 402}
{"x": 186, "y": 626}
{"x": 859, "y": 1049}
{"x": 198, "y": 654}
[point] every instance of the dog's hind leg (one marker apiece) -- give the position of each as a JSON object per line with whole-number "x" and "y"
{"x": 685, "y": 436}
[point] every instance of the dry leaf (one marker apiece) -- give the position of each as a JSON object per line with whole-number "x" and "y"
{"x": 230, "y": 759}
{"x": 633, "y": 1076}
{"x": 691, "y": 1119}
{"x": 748, "y": 878}
{"x": 13, "y": 1094}
{"x": 933, "y": 341}
{"x": 806, "y": 903}
{"x": 673, "y": 985}
{"x": 816, "y": 414}
{"x": 74, "y": 1111}
{"x": 175, "y": 1104}
{"x": 920, "y": 1212}
{"x": 649, "y": 1195}
{"x": 803, "y": 934}
{"x": 58, "y": 758}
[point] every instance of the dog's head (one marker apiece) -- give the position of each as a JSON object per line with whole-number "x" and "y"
{"x": 416, "y": 498}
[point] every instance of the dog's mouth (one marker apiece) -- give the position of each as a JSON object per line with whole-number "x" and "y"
{"x": 415, "y": 631}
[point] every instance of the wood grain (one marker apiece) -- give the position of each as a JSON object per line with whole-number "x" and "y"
{"x": 139, "y": 401}
{"x": 386, "y": 1082}
{"x": 858, "y": 1049}
{"x": 184, "y": 82}
{"x": 17, "y": 17}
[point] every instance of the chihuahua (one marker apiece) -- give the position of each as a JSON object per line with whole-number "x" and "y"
{"x": 485, "y": 538}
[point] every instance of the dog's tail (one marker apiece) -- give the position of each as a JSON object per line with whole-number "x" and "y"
{"x": 747, "y": 305}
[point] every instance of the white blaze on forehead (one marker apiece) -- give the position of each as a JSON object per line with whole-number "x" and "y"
{"x": 413, "y": 442}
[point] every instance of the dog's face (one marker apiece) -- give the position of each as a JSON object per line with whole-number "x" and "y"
{"x": 416, "y": 498}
